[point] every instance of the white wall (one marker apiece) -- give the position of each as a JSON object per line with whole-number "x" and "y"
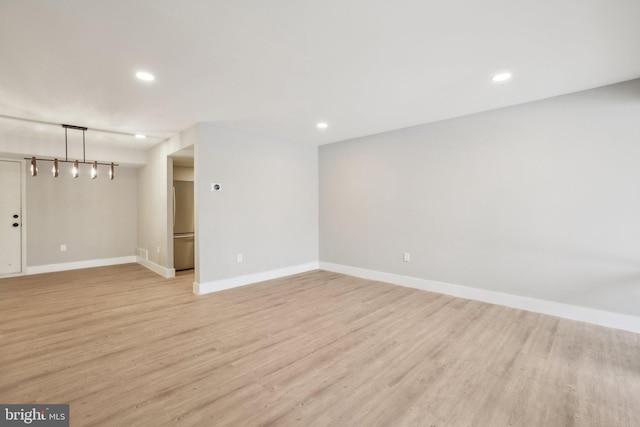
{"x": 538, "y": 200}
{"x": 268, "y": 207}
{"x": 96, "y": 219}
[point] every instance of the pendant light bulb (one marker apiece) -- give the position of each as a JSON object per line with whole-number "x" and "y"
{"x": 34, "y": 167}
{"x": 55, "y": 170}
{"x": 94, "y": 170}
{"x": 112, "y": 171}
{"x": 74, "y": 170}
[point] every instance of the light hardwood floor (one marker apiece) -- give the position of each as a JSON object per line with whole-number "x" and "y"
{"x": 125, "y": 347}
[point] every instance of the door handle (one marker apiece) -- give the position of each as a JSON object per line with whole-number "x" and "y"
{"x": 15, "y": 224}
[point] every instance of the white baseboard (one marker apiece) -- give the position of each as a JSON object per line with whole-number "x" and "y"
{"x": 156, "y": 268}
{"x": 50, "y": 268}
{"x": 567, "y": 311}
{"x": 234, "y": 282}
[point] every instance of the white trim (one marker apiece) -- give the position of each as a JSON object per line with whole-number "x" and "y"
{"x": 23, "y": 214}
{"x": 50, "y": 268}
{"x": 234, "y": 282}
{"x": 167, "y": 273}
{"x": 6, "y": 276}
{"x": 558, "y": 309}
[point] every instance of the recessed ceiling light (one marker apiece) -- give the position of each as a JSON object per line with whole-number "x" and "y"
{"x": 140, "y": 136}
{"x": 143, "y": 75}
{"x": 502, "y": 77}
{"x": 322, "y": 125}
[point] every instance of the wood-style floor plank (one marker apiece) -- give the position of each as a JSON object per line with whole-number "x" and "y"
{"x": 123, "y": 346}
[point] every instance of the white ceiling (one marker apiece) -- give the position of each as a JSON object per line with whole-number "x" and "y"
{"x": 278, "y": 67}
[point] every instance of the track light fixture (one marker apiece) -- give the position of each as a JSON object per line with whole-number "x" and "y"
{"x": 75, "y": 169}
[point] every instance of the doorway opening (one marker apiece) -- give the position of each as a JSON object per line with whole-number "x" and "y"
{"x": 183, "y": 202}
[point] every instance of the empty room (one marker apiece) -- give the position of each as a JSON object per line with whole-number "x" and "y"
{"x": 337, "y": 213}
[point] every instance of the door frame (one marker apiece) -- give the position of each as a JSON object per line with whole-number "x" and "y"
{"x": 23, "y": 216}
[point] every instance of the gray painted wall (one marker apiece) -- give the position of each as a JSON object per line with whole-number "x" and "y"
{"x": 267, "y": 209}
{"x": 539, "y": 200}
{"x": 96, "y": 219}
{"x": 152, "y": 206}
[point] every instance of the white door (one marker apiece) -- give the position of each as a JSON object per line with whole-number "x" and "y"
{"x": 10, "y": 218}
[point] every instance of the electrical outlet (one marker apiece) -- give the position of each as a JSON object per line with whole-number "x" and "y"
{"x": 63, "y": 248}
{"x": 406, "y": 257}
{"x": 239, "y": 257}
